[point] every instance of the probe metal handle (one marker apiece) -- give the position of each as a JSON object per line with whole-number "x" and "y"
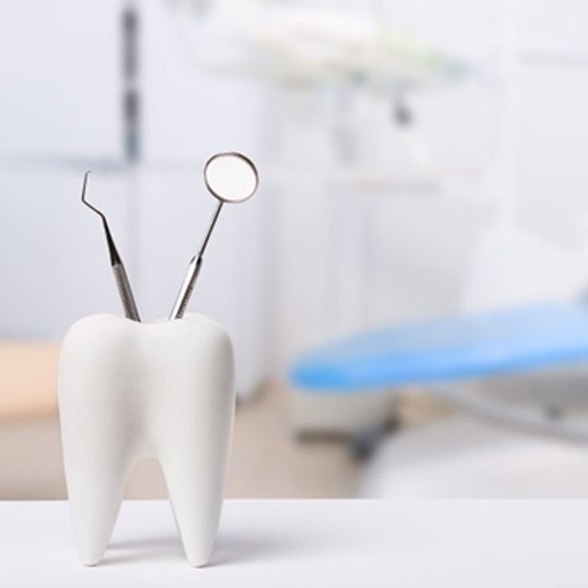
{"x": 124, "y": 291}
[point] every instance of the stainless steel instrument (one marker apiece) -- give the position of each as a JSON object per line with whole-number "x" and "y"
{"x": 230, "y": 178}
{"x": 118, "y": 269}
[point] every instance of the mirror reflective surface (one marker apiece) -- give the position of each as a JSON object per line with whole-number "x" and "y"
{"x": 231, "y": 177}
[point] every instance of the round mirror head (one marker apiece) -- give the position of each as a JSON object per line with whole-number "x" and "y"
{"x": 231, "y": 177}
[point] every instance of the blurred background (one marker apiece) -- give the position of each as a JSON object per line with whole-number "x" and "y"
{"x": 423, "y": 187}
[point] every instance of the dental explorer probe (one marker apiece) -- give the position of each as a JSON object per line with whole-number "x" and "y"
{"x": 118, "y": 269}
{"x": 229, "y": 177}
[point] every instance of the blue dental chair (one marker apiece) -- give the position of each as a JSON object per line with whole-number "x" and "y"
{"x": 439, "y": 354}
{"x": 353, "y": 385}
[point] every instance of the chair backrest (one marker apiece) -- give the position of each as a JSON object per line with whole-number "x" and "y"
{"x": 514, "y": 266}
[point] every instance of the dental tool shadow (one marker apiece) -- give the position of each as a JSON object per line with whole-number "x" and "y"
{"x": 229, "y": 549}
{"x": 237, "y": 548}
{"x": 168, "y": 547}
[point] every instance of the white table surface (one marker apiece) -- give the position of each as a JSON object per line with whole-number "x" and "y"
{"x": 312, "y": 543}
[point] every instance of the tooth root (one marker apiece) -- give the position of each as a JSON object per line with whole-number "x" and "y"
{"x": 193, "y": 448}
{"x": 95, "y": 493}
{"x": 96, "y": 432}
{"x": 97, "y": 465}
{"x": 196, "y": 506}
{"x": 194, "y": 471}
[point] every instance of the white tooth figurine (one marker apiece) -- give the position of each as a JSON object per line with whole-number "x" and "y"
{"x": 129, "y": 390}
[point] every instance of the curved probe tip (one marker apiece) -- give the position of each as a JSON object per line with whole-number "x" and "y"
{"x": 90, "y": 206}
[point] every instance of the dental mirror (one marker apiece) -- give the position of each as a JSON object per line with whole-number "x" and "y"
{"x": 230, "y": 178}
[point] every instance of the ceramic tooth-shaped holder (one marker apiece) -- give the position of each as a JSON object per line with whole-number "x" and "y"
{"x": 130, "y": 390}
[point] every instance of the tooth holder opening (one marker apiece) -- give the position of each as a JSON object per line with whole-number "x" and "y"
{"x": 130, "y": 390}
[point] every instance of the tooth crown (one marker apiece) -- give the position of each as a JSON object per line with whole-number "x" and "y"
{"x": 129, "y": 390}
